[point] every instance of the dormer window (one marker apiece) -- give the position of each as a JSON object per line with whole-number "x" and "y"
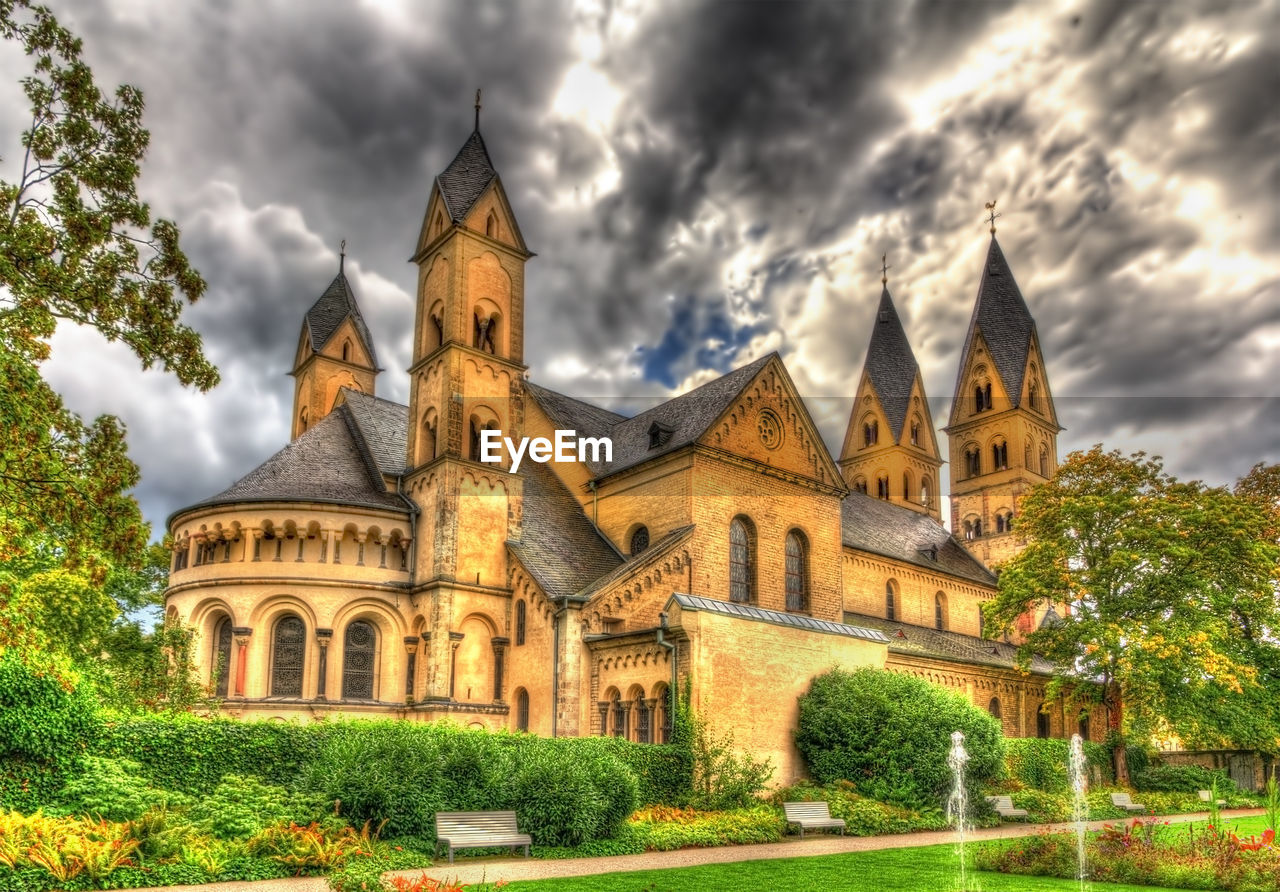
{"x": 659, "y": 435}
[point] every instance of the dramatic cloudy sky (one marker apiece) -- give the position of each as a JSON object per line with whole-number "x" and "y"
{"x": 704, "y": 183}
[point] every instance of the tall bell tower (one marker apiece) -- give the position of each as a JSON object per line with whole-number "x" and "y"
{"x": 1003, "y": 430}
{"x": 467, "y": 376}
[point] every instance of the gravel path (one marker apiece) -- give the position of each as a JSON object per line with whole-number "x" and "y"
{"x": 491, "y": 869}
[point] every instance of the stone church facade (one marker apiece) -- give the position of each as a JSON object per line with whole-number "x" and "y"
{"x": 375, "y": 566}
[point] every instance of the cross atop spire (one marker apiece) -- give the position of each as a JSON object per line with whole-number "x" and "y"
{"x": 342, "y": 255}
{"x": 477, "y": 108}
{"x": 991, "y": 207}
{"x": 884, "y": 269}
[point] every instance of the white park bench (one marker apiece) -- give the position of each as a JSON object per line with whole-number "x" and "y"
{"x": 811, "y": 816}
{"x": 1004, "y": 807}
{"x": 1122, "y": 800}
{"x": 478, "y": 830}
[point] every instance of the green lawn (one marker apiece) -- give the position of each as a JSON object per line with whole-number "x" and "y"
{"x": 925, "y": 869}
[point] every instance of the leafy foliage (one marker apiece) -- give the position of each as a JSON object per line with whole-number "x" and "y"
{"x": 1156, "y": 576}
{"x": 46, "y": 714}
{"x": 867, "y": 817}
{"x": 888, "y": 734}
{"x": 111, "y": 789}
{"x": 242, "y": 806}
{"x": 1041, "y": 763}
{"x": 1182, "y": 779}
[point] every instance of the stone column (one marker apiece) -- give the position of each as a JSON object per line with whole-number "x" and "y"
{"x": 324, "y": 545}
{"x": 241, "y": 635}
{"x": 411, "y": 651}
{"x": 257, "y": 544}
{"x": 499, "y": 653}
{"x": 569, "y": 703}
{"x": 455, "y": 638}
{"x": 323, "y": 637}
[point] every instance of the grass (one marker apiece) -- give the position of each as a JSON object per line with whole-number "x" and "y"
{"x": 924, "y": 869}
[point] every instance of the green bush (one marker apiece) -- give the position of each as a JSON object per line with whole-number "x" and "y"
{"x": 889, "y": 734}
{"x": 242, "y": 805}
{"x": 1041, "y": 763}
{"x": 112, "y": 789}
{"x": 46, "y": 712}
{"x": 1182, "y": 779}
{"x": 555, "y": 799}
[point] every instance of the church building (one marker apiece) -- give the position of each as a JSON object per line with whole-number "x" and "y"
{"x": 376, "y": 565}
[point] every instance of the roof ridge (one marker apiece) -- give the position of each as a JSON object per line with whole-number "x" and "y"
{"x": 362, "y": 446}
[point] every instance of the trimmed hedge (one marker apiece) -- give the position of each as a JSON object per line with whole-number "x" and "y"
{"x": 1041, "y": 763}
{"x": 889, "y": 735}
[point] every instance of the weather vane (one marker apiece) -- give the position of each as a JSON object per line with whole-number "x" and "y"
{"x": 884, "y": 269}
{"x": 477, "y": 108}
{"x": 991, "y": 206}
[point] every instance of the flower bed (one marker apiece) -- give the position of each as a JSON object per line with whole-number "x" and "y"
{"x": 1148, "y": 852}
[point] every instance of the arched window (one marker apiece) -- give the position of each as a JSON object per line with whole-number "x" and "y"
{"x": 972, "y": 461}
{"x": 619, "y": 716}
{"x": 485, "y": 332}
{"x": 346, "y": 351}
{"x": 1004, "y": 521}
{"x": 940, "y": 611}
{"x": 1034, "y": 396}
{"x": 741, "y": 561}
{"x": 491, "y": 226}
{"x": 288, "y": 652}
{"x": 926, "y": 497}
{"x": 1026, "y": 455}
{"x": 999, "y": 455}
{"x": 906, "y": 487}
{"x": 1042, "y": 723}
{"x": 428, "y": 435}
{"x": 1044, "y": 460}
{"x": 438, "y": 225}
{"x": 221, "y": 666}
{"x": 520, "y": 619}
{"x": 639, "y": 540}
{"x": 890, "y": 601}
{"x": 860, "y": 485}
{"x": 977, "y": 528}
{"x": 870, "y": 433}
{"x": 302, "y": 421}
{"x": 1084, "y": 725}
{"x": 359, "y": 660}
{"x": 797, "y": 572}
{"x": 882, "y": 487}
{"x": 915, "y": 432}
{"x": 994, "y": 707}
{"x": 522, "y": 710}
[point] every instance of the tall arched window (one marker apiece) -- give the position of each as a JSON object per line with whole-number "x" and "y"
{"x": 359, "y": 660}
{"x": 741, "y": 561}
{"x": 1044, "y": 460}
{"x": 972, "y": 461}
{"x": 346, "y": 351}
{"x": 797, "y": 572}
{"x": 522, "y": 710}
{"x": 1034, "y": 396}
{"x": 906, "y": 487}
{"x": 222, "y": 655}
{"x": 1042, "y": 722}
{"x": 1084, "y": 725}
{"x": 890, "y": 601}
{"x": 870, "y": 433}
{"x": 860, "y": 485}
{"x": 619, "y": 716}
{"x": 940, "y": 611}
{"x": 999, "y": 455}
{"x": 288, "y": 653}
{"x": 915, "y": 432}
{"x": 520, "y": 621}
{"x": 882, "y": 487}
{"x": 491, "y": 226}
{"x": 639, "y": 540}
{"x": 994, "y": 707}
{"x": 926, "y": 497}
{"x": 1026, "y": 455}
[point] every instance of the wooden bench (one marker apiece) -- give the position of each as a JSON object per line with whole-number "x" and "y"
{"x": 1122, "y": 800}
{"x": 1206, "y": 796}
{"x": 812, "y": 816}
{"x": 1004, "y": 807}
{"x": 479, "y": 830}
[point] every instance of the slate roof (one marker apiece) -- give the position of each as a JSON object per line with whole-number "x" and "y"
{"x": 776, "y": 617}
{"x": 328, "y": 463}
{"x": 384, "y": 426}
{"x": 684, "y": 418}
{"x": 466, "y": 177}
{"x": 890, "y": 364}
{"x": 1002, "y": 316}
{"x": 923, "y": 641}
{"x": 328, "y": 313}
{"x": 558, "y": 544}
{"x": 874, "y": 525}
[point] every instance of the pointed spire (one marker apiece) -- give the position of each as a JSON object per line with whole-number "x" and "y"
{"x": 1001, "y": 315}
{"x": 337, "y": 304}
{"x": 891, "y": 365}
{"x": 467, "y": 176}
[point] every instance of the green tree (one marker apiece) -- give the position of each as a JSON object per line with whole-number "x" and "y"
{"x": 1153, "y": 576}
{"x": 77, "y": 244}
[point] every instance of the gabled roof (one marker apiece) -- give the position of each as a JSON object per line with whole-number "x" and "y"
{"x": 890, "y": 364}
{"x": 466, "y": 177}
{"x": 384, "y": 426}
{"x": 654, "y": 551}
{"x": 558, "y": 545}
{"x": 328, "y": 463}
{"x": 327, "y": 314}
{"x": 568, "y": 413}
{"x": 881, "y": 527}
{"x": 1002, "y": 316}
{"x": 923, "y": 641}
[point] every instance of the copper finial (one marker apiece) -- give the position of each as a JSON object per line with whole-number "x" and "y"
{"x": 884, "y": 269}
{"x": 991, "y": 206}
{"x": 477, "y": 108}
